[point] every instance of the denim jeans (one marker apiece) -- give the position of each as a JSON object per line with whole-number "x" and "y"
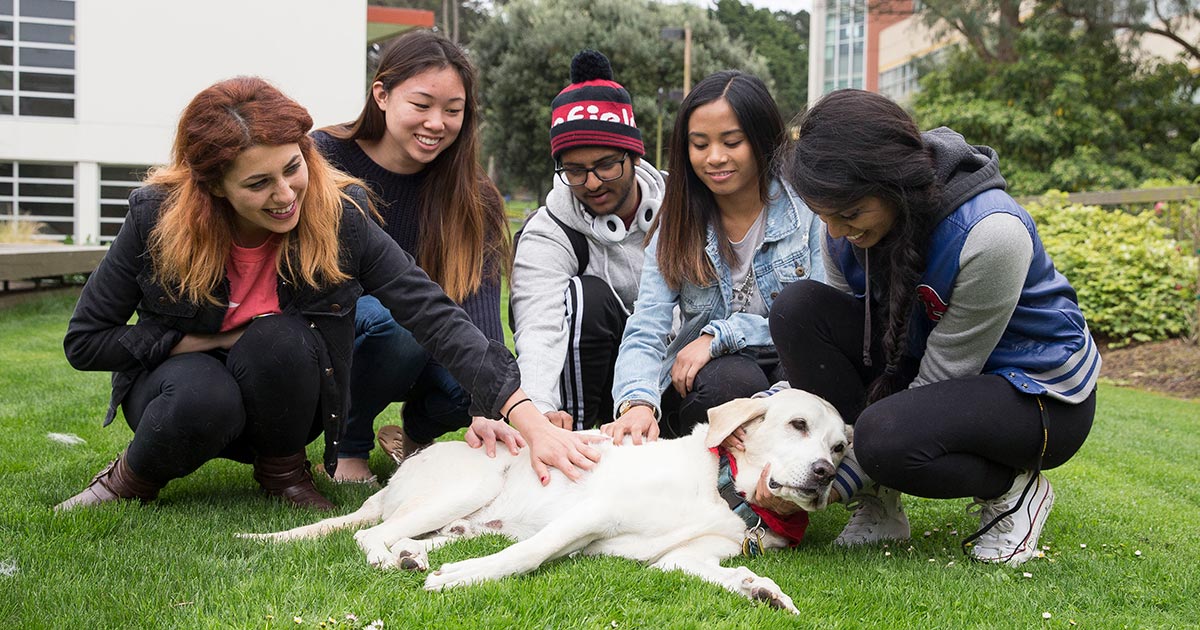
{"x": 390, "y": 366}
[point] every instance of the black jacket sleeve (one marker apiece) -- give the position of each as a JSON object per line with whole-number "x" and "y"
{"x": 486, "y": 369}
{"x": 99, "y": 336}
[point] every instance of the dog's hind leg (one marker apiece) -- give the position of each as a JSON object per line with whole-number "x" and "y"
{"x": 421, "y": 513}
{"x": 413, "y": 554}
{"x": 701, "y": 558}
{"x": 569, "y": 533}
{"x": 370, "y": 512}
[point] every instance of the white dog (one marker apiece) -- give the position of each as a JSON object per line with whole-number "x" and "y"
{"x": 657, "y": 503}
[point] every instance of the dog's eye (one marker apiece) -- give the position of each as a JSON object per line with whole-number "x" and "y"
{"x": 839, "y": 448}
{"x": 800, "y": 425}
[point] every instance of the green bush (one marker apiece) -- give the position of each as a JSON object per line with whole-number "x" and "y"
{"x": 1135, "y": 282}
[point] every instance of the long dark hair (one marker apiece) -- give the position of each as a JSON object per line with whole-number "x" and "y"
{"x": 461, "y": 211}
{"x": 853, "y": 145}
{"x": 688, "y": 206}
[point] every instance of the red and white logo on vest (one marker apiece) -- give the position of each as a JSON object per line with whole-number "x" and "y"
{"x": 935, "y": 306}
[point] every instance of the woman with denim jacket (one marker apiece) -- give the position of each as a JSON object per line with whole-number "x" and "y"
{"x": 243, "y": 260}
{"x": 729, "y": 237}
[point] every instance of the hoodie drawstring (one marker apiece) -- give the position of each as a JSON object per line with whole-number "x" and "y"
{"x": 867, "y": 302}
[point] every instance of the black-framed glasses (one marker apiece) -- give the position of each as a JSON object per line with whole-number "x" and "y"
{"x": 604, "y": 171}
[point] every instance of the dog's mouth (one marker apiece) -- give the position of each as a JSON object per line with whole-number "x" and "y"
{"x": 807, "y": 491}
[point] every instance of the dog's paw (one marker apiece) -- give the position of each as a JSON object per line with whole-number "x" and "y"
{"x": 766, "y": 590}
{"x": 410, "y": 555}
{"x": 378, "y": 554}
{"x": 472, "y": 571}
{"x": 458, "y": 529}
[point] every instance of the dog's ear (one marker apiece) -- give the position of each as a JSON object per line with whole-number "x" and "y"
{"x": 726, "y": 418}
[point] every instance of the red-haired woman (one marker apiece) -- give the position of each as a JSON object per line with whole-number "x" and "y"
{"x": 243, "y": 259}
{"x": 416, "y": 144}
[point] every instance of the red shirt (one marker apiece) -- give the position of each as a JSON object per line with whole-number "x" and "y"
{"x": 253, "y": 283}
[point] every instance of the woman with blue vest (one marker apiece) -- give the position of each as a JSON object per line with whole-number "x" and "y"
{"x": 945, "y": 335}
{"x": 728, "y": 238}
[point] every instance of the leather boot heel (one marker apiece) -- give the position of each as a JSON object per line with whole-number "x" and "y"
{"x": 289, "y": 478}
{"x": 114, "y": 482}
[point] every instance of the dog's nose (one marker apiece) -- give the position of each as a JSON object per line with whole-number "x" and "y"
{"x": 823, "y": 471}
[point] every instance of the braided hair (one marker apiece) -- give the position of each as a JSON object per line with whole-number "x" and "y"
{"x": 853, "y": 145}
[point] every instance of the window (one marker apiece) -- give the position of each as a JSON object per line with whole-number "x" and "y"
{"x": 116, "y": 182}
{"x": 39, "y": 193}
{"x": 37, "y": 58}
{"x": 844, "y": 60}
{"x": 901, "y": 82}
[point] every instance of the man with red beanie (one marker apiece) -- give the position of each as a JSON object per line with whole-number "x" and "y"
{"x": 579, "y": 257}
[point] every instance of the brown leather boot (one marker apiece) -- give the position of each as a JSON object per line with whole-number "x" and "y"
{"x": 115, "y": 481}
{"x": 288, "y": 477}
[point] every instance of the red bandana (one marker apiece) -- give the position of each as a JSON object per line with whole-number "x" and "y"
{"x": 790, "y": 527}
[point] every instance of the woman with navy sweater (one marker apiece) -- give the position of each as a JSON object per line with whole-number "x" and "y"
{"x": 416, "y": 144}
{"x": 945, "y": 335}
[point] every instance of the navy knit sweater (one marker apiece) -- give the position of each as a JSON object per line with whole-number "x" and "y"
{"x": 399, "y": 196}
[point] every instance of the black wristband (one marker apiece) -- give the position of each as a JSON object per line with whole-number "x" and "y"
{"x": 506, "y": 416}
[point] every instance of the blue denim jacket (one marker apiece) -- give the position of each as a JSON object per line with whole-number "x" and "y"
{"x": 791, "y": 251}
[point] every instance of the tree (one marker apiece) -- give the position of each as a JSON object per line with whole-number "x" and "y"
{"x": 1176, "y": 20}
{"x": 524, "y": 57}
{"x": 1074, "y": 110}
{"x": 780, "y": 37}
{"x": 990, "y": 27}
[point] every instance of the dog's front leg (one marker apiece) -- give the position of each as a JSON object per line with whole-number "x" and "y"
{"x": 571, "y": 532}
{"x": 701, "y": 558}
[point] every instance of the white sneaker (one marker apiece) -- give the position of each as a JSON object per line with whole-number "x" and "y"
{"x": 1014, "y": 538}
{"x": 877, "y": 516}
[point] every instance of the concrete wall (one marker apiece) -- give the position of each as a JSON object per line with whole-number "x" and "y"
{"x": 139, "y": 62}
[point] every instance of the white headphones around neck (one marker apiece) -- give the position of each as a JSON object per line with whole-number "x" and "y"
{"x": 611, "y": 228}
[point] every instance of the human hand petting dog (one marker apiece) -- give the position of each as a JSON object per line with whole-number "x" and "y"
{"x": 551, "y": 446}
{"x": 486, "y": 432}
{"x": 688, "y": 362}
{"x": 636, "y": 422}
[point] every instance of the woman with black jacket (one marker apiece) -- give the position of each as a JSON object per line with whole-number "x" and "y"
{"x": 243, "y": 260}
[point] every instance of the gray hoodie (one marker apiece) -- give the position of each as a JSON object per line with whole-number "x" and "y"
{"x": 543, "y": 268}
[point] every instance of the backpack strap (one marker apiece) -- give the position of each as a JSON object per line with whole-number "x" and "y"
{"x": 577, "y": 239}
{"x": 578, "y": 243}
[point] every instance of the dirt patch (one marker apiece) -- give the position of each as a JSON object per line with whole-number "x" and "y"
{"x": 1169, "y": 367}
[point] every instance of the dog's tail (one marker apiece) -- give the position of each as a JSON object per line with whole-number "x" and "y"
{"x": 370, "y": 512}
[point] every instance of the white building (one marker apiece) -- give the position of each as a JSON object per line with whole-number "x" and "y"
{"x": 90, "y": 91}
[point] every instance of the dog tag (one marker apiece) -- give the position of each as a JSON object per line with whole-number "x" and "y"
{"x": 752, "y": 544}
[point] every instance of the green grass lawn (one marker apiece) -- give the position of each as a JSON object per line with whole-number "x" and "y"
{"x": 1122, "y": 542}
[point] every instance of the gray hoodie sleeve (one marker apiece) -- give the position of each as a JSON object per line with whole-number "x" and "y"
{"x": 833, "y": 275}
{"x": 542, "y": 269}
{"x": 993, "y": 265}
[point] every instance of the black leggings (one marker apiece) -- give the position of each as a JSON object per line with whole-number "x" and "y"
{"x": 259, "y": 398}
{"x": 958, "y": 438}
{"x": 721, "y": 380}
